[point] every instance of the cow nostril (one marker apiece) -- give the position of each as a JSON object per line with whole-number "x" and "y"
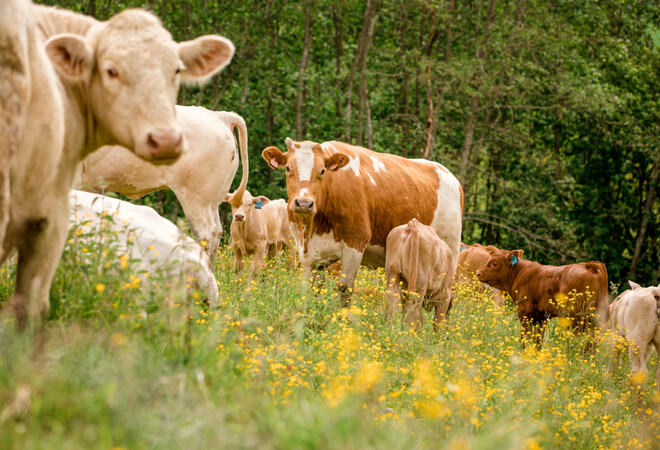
{"x": 152, "y": 142}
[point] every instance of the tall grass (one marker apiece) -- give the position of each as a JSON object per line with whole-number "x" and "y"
{"x": 145, "y": 364}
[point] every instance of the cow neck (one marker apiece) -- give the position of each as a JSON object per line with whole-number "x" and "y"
{"x": 81, "y": 132}
{"x": 513, "y": 274}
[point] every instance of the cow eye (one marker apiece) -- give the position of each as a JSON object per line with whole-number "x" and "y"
{"x": 177, "y": 71}
{"x": 287, "y": 169}
{"x": 657, "y": 298}
{"x": 322, "y": 172}
{"x": 112, "y": 72}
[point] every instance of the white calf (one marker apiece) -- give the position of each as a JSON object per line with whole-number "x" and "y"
{"x": 154, "y": 240}
{"x": 635, "y": 316}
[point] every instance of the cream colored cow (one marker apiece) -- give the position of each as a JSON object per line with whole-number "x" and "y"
{"x": 82, "y": 84}
{"x": 153, "y": 241}
{"x": 635, "y": 316}
{"x": 418, "y": 261}
{"x": 200, "y": 178}
{"x": 257, "y": 224}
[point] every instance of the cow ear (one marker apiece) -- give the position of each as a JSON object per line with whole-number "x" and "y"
{"x": 289, "y": 143}
{"x": 336, "y": 161}
{"x": 515, "y": 256}
{"x": 274, "y": 157}
{"x": 71, "y": 56}
{"x": 260, "y": 201}
{"x": 633, "y": 285}
{"x": 204, "y": 56}
{"x": 228, "y": 197}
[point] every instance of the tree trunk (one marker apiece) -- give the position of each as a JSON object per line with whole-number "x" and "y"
{"x": 641, "y": 232}
{"x": 338, "y": 20}
{"x": 359, "y": 61}
{"x": 430, "y": 124}
{"x": 304, "y": 60}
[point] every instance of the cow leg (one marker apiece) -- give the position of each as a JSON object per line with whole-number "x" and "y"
{"x": 498, "y": 297}
{"x": 350, "y": 263}
{"x": 259, "y": 258}
{"x": 656, "y": 344}
{"x": 532, "y": 328}
{"x": 393, "y": 295}
{"x": 639, "y": 351}
{"x": 442, "y": 306}
{"x": 413, "y": 308}
{"x": 238, "y": 259}
{"x": 205, "y": 225}
{"x": 278, "y": 248}
{"x": 37, "y": 260}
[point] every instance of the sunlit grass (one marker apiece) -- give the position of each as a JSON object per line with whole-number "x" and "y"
{"x": 143, "y": 364}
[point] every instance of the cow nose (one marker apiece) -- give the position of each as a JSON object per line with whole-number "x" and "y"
{"x": 302, "y": 204}
{"x": 165, "y": 144}
{"x": 239, "y": 217}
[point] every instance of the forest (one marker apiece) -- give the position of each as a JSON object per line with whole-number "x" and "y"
{"x": 546, "y": 111}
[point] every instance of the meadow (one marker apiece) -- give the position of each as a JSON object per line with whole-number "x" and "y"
{"x": 132, "y": 361}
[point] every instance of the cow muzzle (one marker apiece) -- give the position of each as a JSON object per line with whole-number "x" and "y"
{"x": 303, "y": 206}
{"x": 163, "y": 144}
{"x": 239, "y": 217}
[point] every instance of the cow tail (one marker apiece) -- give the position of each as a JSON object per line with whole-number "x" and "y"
{"x": 236, "y": 122}
{"x": 14, "y": 93}
{"x": 413, "y": 255}
{"x": 602, "y": 292}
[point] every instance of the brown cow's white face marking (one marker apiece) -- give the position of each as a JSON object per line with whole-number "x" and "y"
{"x": 133, "y": 69}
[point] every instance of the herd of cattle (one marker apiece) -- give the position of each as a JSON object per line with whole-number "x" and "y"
{"x": 91, "y": 104}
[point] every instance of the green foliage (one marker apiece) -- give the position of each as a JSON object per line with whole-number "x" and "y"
{"x": 546, "y": 111}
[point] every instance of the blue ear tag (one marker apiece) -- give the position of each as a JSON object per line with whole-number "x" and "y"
{"x": 463, "y": 247}
{"x": 259, "y": 204}
{"x": 514, "y": 260}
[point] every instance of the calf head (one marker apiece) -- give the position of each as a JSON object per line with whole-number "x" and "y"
{"x": 308, "y": 169}
{"x": 128, "y": 71}
{"x": 244, "y": 209}
{"x": 497, "y": 271}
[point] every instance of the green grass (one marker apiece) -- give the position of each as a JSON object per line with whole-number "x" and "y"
{"x": 144, "y": 364}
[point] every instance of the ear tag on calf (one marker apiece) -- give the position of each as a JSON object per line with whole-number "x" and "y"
{"x": 514, "y": 260}
{"x": 259, "y": 204}
{"x": 463, "y": 247}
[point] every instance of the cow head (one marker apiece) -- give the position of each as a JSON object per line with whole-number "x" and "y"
{"x": 241, "y": 211}
{"x": 497, "y": 271}
{"x": 128, "y": 71}
{"x": 307, "y": 167}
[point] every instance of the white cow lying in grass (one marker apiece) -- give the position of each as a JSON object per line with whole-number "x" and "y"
{"x": 200, "y": 178}
{"x": 148, "y": 237}
{"x": 635, "y": 316}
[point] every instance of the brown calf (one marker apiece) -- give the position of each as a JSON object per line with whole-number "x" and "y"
{"x": 422, "y": 262}
{"x": 541, "y": 292}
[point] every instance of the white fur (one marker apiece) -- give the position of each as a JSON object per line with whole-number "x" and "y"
{"x": 371, "y": 179}
{"x": 354, "y": 165}
{"x": 378, "y": 164}
{"x": 158, "y": 242}
{"x": 305, "y": 162}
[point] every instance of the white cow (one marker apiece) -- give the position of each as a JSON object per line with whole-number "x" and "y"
{"x": 635, "y": 316}
{"x": 146, "y": 236}
{"x": 79, "y": 84}
{"x": 200, "y": 178}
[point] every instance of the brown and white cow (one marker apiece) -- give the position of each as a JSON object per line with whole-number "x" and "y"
{"x": 258, "y": 223}
{"x": 419, "y": 262}
{"x": 635, "y": 317}
{"x": 541, "y": 292}
{"x": 470, "y": 260}
{"x": 200, "y": 178}
{"x": 84, "y": 84}
{"x": 344, "y": 200}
